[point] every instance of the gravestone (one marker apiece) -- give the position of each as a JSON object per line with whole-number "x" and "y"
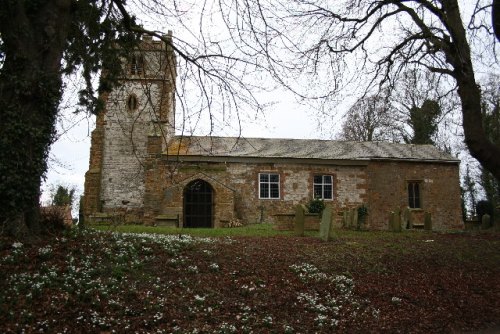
{"x": 395, "y": 221}
{"x": 427, "y": 221}
{"x": 407, "y": 218}
{"x": 345, "y": 219}
{"x": 299, "y": 220}
{"x": 354, "y": 218}
{"x": 325, "y": 228}
{"x": 345, "y": 222}
{"x": 485, "y": 222}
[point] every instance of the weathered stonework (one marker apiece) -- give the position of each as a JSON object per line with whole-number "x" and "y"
{"x": 140, "y": 171}
{"x": 387, "y": 188}
{"x": 379, "y": 185}
{"x": 119, "y": 149}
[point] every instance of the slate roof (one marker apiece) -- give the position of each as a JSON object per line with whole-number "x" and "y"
{"x": 302, "y": 149}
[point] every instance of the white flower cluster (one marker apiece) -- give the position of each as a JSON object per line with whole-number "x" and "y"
{"x": 327, "y": 306}
{"x": 97, "y": 276}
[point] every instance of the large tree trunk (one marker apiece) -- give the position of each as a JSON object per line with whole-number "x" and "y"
{"x": 480, "y": 147}
{"x": 459, "y": 56}
{"x": 495, "y": 18}
{"x": 34, "y": 35}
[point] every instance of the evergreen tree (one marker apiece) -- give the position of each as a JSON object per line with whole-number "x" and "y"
{"x": 63, "y": 196}
{"x": 40, "y": 42}
{"x": 424, "y": 122}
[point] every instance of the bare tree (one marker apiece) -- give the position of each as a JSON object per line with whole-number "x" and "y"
{"x": 369, "y": 119}
{"x": 496, "y": 18}
{"x": 371, "y": 43}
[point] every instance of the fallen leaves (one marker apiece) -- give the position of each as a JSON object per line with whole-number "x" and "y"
{"x": 377, "y": 282}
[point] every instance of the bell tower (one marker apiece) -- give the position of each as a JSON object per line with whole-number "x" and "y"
{"x": 140, "y": 110}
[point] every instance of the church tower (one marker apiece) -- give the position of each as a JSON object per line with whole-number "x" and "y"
{"x": 140, "y": 109}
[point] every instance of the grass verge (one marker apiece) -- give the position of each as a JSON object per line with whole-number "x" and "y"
{"x": 252, "y": 230}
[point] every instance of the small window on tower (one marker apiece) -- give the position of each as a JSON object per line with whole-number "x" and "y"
{"x": 137, "y": 65}
{"x": 132, "y": 103}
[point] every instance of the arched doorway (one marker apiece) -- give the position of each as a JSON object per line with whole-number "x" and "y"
{"x": 198, "y": 204}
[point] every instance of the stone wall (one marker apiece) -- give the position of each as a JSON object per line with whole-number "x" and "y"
{"x": 92, "y": 195}
{"x": 286, "y": 222}
{"x": 236, "y": 188}
{"x": 382, "y": 186}
{"x": 440, "y": 192}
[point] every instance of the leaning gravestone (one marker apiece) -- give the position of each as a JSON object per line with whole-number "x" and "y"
{"x": 407, "y": 218}
{"x": 325, "y": 228}
{"x": 299, "y": 220}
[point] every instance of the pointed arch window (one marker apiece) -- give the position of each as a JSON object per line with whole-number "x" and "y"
{"x": 414, "y": 199}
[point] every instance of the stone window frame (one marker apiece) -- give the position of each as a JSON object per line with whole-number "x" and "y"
{"x": 322, "y": 184}
{"x": 132, "y": 102}
{"x": 414, "y": 194}
{"x": 136, "y": 64}
{"x": 270, "y": 185}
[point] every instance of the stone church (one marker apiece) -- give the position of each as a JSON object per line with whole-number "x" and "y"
{"x": 143, "y": 172}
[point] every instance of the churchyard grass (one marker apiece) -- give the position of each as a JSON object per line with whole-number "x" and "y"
{"x": 251, "y": 230}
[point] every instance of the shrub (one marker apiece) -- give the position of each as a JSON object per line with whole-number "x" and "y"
{"x": 483, "y": 208}
{"x": 316, "y": 206}
{"x": 52, "y": 219}
{"x": 362, "y": 212}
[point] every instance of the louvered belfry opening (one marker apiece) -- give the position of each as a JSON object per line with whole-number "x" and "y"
{"x": 198, "y": 204}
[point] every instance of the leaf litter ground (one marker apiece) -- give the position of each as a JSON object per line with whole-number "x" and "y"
{"x": 102, "y": 282}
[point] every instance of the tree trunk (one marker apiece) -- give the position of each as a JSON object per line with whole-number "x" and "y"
{"x": 458, "y": 55}
{"x": 495, "y": 18}
{"x": 34, "y": 36}
{"x": 478, "y": 143}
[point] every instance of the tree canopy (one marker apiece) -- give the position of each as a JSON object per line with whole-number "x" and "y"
{"x": 423, "y": 121}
